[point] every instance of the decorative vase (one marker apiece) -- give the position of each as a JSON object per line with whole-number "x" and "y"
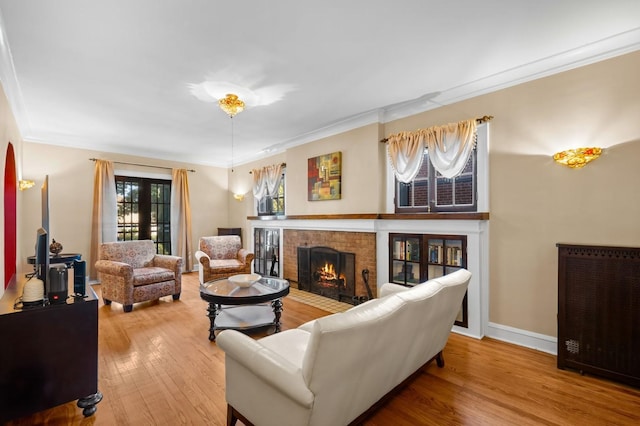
{"x": 55, "y": 247}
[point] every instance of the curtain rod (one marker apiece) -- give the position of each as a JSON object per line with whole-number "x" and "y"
{"x": 283, "y": 165}
{"x": 480, "y": 120}
{"x": 143, "y": 165}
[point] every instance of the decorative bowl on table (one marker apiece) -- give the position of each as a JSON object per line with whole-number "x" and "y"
{"x": 244, "y": 280}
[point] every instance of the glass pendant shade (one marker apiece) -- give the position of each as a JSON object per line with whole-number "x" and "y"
{"x": 231, "y": 104}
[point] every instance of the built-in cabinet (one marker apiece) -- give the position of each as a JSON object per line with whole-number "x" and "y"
{"x": 266, "y": 251}
{"x": 415, "y": 258}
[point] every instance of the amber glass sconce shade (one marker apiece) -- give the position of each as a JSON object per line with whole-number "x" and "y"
{"x": 577, "y": 158}
{"x": 25, "y": 184}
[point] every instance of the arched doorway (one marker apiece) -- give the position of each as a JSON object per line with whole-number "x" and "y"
{"x": 10, "y": 187}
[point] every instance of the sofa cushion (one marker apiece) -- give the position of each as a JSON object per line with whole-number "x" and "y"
{"x": 225, "y": 263}
{"x": 151, "y": 274}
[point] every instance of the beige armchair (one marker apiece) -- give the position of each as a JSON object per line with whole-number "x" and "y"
{"x": 132, "y": 272}
{"x": 221, "y": 257}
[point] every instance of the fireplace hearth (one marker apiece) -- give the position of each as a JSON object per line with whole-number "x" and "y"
{"x": 327, "y": 272}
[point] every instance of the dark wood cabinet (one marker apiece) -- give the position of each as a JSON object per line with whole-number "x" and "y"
{"x": 49, "y": 355}
{"x": 230, "y": 231}
{"x": 415, "y": 258}
{"x": 599, "y": 311}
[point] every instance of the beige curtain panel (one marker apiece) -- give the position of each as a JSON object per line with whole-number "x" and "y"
{"x": 449, "y": 148}
{"x": 181, "y": 239}
{"x": 104, "y": 219}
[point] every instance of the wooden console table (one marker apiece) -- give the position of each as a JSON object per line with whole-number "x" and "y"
{"x": 599, "y": 311}
{"x": 49, "y": 355}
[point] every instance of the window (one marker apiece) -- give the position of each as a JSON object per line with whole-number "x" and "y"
{"x": 144, "y": 211}
{"x": 273, "y": 204}
{"x": 431, "y": 192}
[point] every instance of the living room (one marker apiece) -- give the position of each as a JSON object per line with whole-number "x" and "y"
{"x": 534, "y": 202}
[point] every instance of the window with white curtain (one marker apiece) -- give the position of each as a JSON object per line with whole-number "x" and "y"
{"x": 272, "y": 204}
{"x": 431, "y": 192}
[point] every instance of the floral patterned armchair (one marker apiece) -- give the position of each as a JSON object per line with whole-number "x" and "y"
{"x": 221, "y": 257}
{"x": 132, "y": 272}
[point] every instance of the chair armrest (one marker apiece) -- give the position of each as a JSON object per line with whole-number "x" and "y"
{"x": 245, "y": 256}
{"x": 266, "y": 364}
{"x": 111, "y": 267}
{"x": 203, "y": 258}
{"x": 166, "y": 261}
{"x": 390, "y": 288}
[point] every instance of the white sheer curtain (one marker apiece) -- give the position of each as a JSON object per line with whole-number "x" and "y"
{"x": 449, "y": 149}
{"x": 104, "y": 219}
{"x": 181, "y": 239}
{"x": 266, "y": 180}
{"x": 405, "y": 151}
{"x": 450, "y": 146}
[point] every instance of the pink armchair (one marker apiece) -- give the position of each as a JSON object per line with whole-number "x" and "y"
{"x": 221, "y": 257}
{"x": 132, "y": 272}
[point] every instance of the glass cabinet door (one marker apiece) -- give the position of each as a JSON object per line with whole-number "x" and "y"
{"x": 405, "y": 259}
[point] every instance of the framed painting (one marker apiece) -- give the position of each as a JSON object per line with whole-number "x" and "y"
{"x": 324, "y": 177}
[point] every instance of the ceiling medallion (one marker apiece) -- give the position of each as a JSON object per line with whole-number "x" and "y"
{"x": 231, "y": 104}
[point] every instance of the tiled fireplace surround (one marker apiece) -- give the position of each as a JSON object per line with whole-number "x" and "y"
{"x": 368, "y": 237}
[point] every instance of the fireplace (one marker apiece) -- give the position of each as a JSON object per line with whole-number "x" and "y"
{"x": 327, "y": 272}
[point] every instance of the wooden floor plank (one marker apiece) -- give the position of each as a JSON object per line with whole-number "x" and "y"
{"x": 157, "y": 367}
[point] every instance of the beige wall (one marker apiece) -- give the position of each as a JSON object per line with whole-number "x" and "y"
{"x": 71, "y": 195}
{"x": 535, "y": 203}
{"x": 360, "y": 173}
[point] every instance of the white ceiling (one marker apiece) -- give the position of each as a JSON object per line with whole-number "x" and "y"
{"x": 120, "y": 75}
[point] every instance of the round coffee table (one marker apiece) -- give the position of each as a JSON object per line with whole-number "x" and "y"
{"x": 243, "y": 308}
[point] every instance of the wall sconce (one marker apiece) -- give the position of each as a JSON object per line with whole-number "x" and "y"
{"x": 238, "y": 197}
{"x": 25, "y": 184}
{"x": 577, "y": 158}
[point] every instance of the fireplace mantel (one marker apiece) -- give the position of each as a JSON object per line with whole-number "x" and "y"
{"x": 475, "y": 226}
{"x": 379, "y": 216}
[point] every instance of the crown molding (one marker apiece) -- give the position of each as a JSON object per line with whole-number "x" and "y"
{"x": 590, "y": 53}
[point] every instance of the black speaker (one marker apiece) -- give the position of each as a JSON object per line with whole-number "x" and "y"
{"x": 79, "y": 278}
{"x": 58, "y": 282}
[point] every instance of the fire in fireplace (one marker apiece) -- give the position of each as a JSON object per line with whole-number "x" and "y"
{"x": 327, "y": 272}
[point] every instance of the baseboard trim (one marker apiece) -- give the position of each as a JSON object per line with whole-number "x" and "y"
{"x": 528, "y": 339}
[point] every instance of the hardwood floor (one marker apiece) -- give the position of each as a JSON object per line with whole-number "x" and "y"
{"x": 157, "y": 367}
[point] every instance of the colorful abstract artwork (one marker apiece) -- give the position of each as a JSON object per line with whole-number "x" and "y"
{"x": 325, "y": 175}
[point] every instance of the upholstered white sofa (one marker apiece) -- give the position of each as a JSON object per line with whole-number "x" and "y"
{"x": 333, "y": 370}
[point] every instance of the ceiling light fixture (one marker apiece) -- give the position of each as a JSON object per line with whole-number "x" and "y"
{"x": 231, "y": 105}
{"x": 577, "y": 158}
